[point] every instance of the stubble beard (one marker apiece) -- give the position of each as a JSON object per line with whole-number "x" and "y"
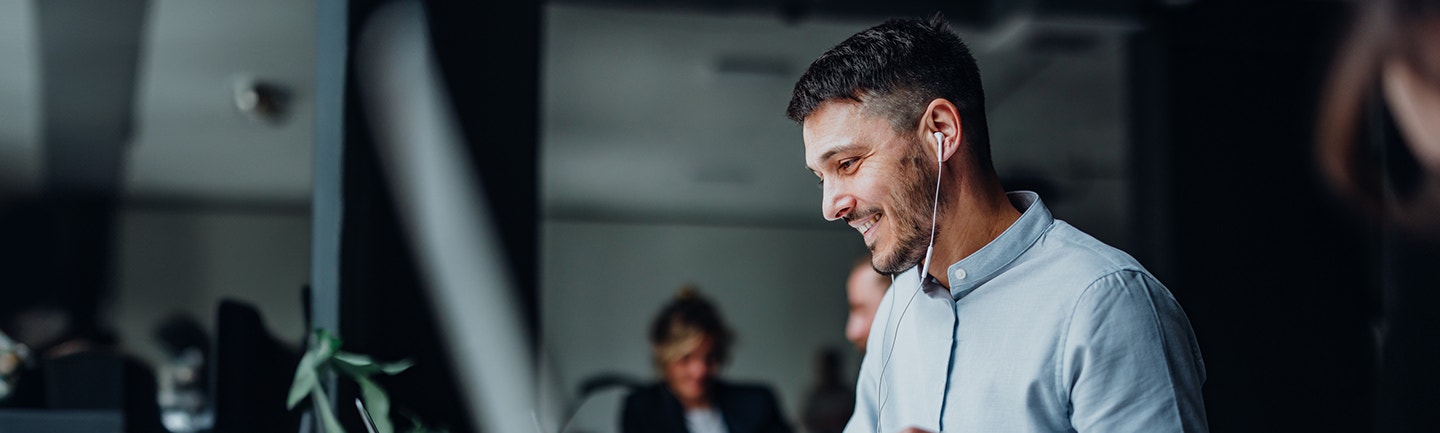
{"x": 912, "y": 214}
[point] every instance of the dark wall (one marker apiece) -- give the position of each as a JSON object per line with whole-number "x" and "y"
{"x": 1278, "y": 279}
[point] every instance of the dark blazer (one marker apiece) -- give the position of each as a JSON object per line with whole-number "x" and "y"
{"x": 745, "y": 409}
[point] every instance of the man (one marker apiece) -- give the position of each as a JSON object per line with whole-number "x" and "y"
{"x": 865, "y": 288}
{"x": 1016, "y": 321}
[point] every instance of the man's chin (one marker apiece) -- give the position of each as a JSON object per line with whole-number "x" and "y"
{"x": 892, "y": 266}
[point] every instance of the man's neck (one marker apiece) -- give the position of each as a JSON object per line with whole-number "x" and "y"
{"x": 976, "y": 218}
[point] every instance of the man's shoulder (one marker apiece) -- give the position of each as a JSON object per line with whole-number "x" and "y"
{"x": 1104, "y": 279}
{"x": 1065, "y": 263}
{"x": 1067, "y": 248}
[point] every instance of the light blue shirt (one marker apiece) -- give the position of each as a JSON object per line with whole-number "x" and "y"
{"x": 1045, "y": 329}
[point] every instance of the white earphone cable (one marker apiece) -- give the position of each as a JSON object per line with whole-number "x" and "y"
{"x": 924, "y": 272}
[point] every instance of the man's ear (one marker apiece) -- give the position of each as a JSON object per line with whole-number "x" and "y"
{"x": 942, "y": 116}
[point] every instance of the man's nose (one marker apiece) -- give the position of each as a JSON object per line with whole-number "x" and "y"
{"x": 836, "y": 202}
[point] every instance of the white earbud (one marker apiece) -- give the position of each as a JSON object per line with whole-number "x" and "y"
{"x": 939, "y": 146}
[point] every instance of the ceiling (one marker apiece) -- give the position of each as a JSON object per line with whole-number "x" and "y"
{"x": 191, "y": 143}
{"x": 188, "y": 143}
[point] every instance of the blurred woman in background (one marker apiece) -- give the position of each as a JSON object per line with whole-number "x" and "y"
{"x": 690, "y": 343}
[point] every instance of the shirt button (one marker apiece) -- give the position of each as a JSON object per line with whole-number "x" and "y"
{"x": 959, "y": 274}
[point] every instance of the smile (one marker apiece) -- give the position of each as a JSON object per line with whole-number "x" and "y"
{"x": 865, "y": 226}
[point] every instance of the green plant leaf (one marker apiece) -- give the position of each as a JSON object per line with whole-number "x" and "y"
{"x": 377, "y": 403}
{"x": 324, "y": 345}
{"x": 305, "y": 379}
{"x": 324, "y": 356}
{"x": 322, "y": 405}
{"x": 354, "y": 359}
{"x": 354, "y": 365}
{"x": 394, "y": 368}
{"x": 357, "y": 365}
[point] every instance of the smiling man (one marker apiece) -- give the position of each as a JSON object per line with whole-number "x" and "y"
{"x": 1015, "y": 321}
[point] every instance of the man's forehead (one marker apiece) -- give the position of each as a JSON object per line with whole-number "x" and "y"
{"x": 832, "y": 114}
{"x": 835, "y": 124}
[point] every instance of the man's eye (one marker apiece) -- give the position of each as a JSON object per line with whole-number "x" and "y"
{"x": 846, "y": 164}
{"x": 820, "y": 184}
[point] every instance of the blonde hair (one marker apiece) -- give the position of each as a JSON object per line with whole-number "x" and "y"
{"x": 683, "y": 324}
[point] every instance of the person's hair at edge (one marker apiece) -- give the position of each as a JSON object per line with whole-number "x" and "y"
{"x": 683, "y": 323}
{"x": 895, "y": 69}
{"x": 1384, "y": 31}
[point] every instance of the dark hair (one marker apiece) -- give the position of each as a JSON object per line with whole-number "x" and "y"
{"x": 897, "y": 68}
{"x": 687, "y": 316}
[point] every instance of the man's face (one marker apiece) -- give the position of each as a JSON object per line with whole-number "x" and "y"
{"x": 865, "y": 288}
{"x": 880, "y": 182}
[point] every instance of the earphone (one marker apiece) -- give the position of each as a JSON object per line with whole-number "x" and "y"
{"x": 939, "y": 146}
{"x": 934, "y": 205}
{"x": 924, "y": 273}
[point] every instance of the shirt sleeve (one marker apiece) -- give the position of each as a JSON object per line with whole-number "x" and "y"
{"x": 1130, "y": 360}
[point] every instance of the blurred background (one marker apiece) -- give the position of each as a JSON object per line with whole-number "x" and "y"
{"x": 189, "y": 187}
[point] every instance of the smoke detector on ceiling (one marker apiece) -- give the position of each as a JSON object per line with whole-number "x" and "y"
{"x": 263, "y": 101}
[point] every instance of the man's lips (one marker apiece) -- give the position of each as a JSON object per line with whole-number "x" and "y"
{"x": 865, "y": 225}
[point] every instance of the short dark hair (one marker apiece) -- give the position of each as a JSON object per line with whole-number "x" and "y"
{"x": 898, "y": 67}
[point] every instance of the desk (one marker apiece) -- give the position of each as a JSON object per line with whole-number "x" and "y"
{"x": 61, "y": 421}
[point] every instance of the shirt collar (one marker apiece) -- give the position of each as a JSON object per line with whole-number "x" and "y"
{"x": 976, "y": 269}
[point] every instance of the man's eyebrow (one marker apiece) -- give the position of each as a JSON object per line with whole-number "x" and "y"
{"x": 848, "y": 147}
